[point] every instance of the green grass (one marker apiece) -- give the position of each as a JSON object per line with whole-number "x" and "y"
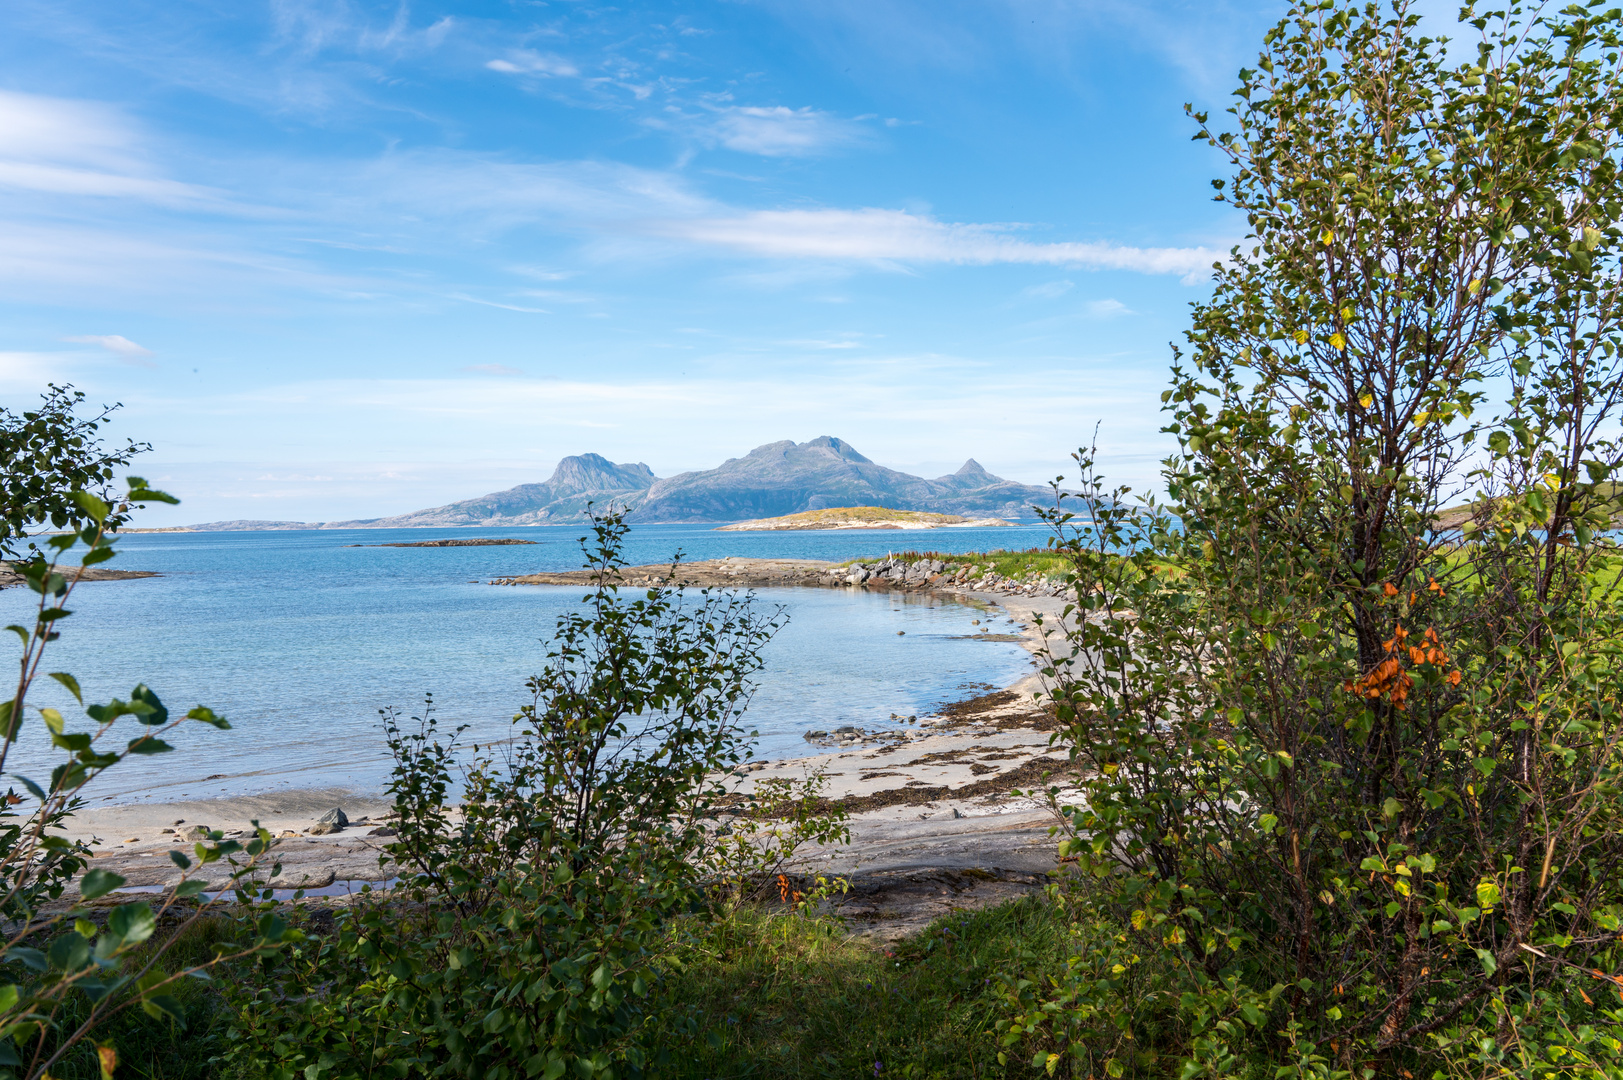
{"x": 158, "y": 1049}
{"x": 756, "y": 992}
{"x": 781, "y": 996}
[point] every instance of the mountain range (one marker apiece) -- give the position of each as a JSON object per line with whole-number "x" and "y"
{"x": 772, "y": 480}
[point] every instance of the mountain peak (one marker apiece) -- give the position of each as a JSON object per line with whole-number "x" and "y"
{"x": 594, "y": 472}
{"x": 971, "y": 468}
{"x": 838, "y": 447}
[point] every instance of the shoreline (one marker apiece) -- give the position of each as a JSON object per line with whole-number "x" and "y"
{"x": 934, "y": 823}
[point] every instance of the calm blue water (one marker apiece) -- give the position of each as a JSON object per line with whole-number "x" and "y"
{"x": 299, "y": 639}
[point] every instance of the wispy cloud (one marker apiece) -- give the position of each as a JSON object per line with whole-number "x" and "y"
{"x": 64, "y": 147}
{"x": 498, "y": 304}
{"x": 530, "y": 62}
{"x": 874, "y": 235}
{"x": 117, "y": 344}
{"x": 1048, "y": 290}
{"x": 1106, "y": 309}
{"x": 778, "y": 131}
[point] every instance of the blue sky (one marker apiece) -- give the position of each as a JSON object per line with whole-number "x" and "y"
{"x": 351, "y": 259}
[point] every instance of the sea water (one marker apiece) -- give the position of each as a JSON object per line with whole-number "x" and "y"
{"x": 298, "y": 638}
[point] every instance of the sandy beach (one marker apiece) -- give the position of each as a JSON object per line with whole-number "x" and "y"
{"x": 934, "y": 826}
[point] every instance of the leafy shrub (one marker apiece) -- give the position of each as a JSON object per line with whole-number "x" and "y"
{"x": 1350, "y": 777}
{"x": 751, "y": 857}
{"x": 47, "y": 454}
{"x": 73, "y": 972}
{"x": 522, "y": 939}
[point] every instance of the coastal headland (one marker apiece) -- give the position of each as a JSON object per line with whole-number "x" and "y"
{"x": 477, "y": 541}
{"x": 10, "y": 577}
{"x": 892, "y": 572}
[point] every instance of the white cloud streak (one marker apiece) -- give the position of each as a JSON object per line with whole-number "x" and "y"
{"x": 70, "y": 148}
{"x": 530, "y": 62}
{"x": 117, "y": 344}
{"x": 779, "y": 131}
{"x": 895, "y": 235}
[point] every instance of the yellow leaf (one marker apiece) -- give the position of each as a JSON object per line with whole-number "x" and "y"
{"x": 1347, "y": 314}
{"x": 1474, "y": 286}
{"x": 1301, "y": 337}
{"x": 1366, "y": 400}
{"x": 1327, "y": 237}
{"x": 1338, "y": 342}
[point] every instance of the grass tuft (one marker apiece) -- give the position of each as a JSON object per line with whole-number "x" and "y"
{"x": 782, "y": 996}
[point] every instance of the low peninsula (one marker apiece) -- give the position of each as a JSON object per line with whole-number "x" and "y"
{"x": 861, "y": 517}
{"x": 479, "y": 541}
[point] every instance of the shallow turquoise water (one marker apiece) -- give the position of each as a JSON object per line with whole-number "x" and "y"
{"x": 299, "y": 640}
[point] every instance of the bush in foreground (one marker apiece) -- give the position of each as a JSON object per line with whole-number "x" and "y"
{"x": 1351, "y": 778}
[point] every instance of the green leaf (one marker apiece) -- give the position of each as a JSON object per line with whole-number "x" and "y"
{"x": 1267, "y": 823}
{"x": 32, "y": 959}
{"x": 53, "y": 720}
{"x": 71, "y": 683}
{"x": 99, "y": 555}
{"x": 99, "y": 883}
{"x": 180, "y": 859}
{"x": 157, "y": 714}
{"x": 132, "y": 923}
{"x": 163, "y": 1007}
{"x": 69, "y": 953}
{"x": 1487, "y": 894}
{"x": 139, "y": 492}
{"x": 148, "y": 745}
{"x": 1489, "y": 964}
{"x": 207, "y": 716}
{"x": 93, "y": 507}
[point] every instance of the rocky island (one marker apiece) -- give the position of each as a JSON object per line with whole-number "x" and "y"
{"x": 776, "y": 479}
{"x": 477, "y": 541}
{"x": 861, "y": 517}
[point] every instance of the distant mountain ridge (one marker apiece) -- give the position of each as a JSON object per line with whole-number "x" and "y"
{"x": 770, "y": 481}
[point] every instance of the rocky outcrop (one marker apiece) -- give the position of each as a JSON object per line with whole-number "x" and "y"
{"x": 890, "y": 573}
